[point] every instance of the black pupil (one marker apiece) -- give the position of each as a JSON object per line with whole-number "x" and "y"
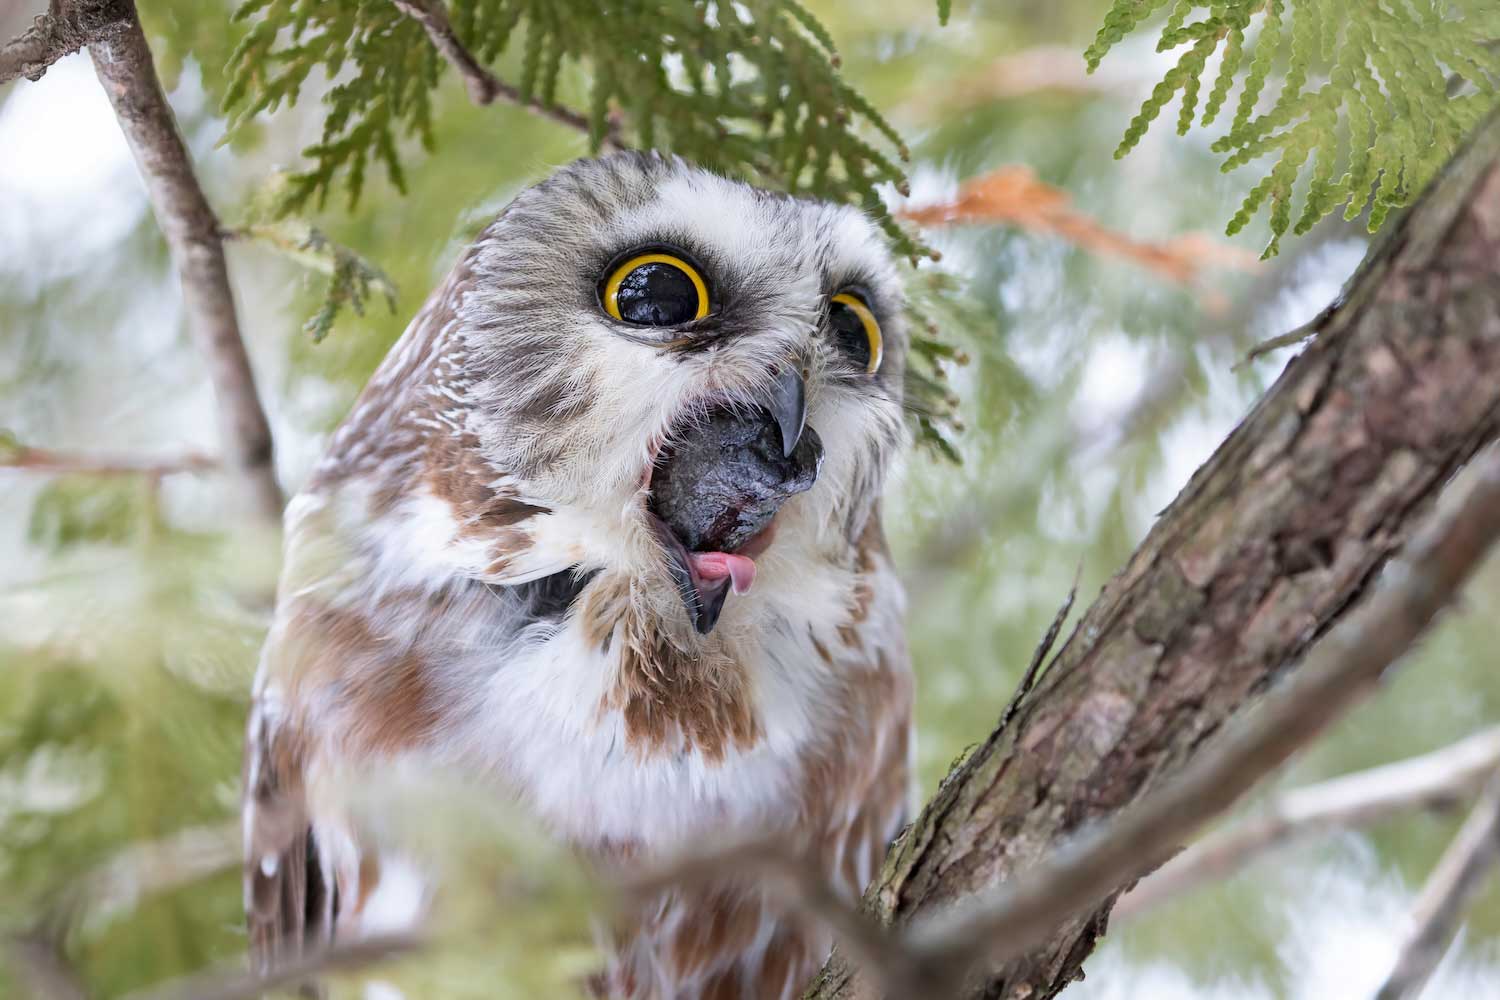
{"x": 849, "y": 331}
{"x": 657, "y": 294}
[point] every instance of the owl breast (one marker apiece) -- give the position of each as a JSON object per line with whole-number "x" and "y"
{"x": 611, "y": 734}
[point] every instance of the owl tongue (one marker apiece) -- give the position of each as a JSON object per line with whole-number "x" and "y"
{"x": 715, "y": 492}
{"x": 717, "y": 565}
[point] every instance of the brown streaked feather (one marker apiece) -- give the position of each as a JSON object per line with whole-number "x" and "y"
{"x": 289, "y": 902}
{"x": 384, "y": 693}
{"x": 727, "y": 939}
{"x": 671, "y": 701}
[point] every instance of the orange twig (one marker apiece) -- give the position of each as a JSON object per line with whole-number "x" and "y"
{"x": 1014, "y": 195}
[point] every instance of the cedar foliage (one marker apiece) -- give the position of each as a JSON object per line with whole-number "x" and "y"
{"x": 1375, "y": 95}
{"x": 749, "y": 89}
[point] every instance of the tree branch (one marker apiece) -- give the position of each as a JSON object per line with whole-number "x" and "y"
{"x": 64, "y": 29}
{"x": 483, "y": 86}
{"x": 1049, "y": 639}
{"x": 238, "y": 983}
{"x": 1341, "y": 670}
{"x": 1446, "y": 896}
{"x": 1437, "y": 780}
{"x": 49, "y": 461}
{"x": 122, "y": 60}
{"x": 1269, "y": 545}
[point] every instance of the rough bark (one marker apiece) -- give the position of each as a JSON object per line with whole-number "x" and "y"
{"x": 123, "y": 62}
{"x": 1276, "y": 537}
{"x": 63, "y": 30}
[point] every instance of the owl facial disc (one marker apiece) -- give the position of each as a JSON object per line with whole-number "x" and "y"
{"x": 716, "y": 490}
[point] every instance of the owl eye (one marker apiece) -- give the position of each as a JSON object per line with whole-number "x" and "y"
{"x": 856, "y": 330}
{"x": 655, "y": 289}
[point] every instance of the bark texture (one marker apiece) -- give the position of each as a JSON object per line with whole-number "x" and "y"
{"x": 123, "y": 62}
{"x": 64, "y": 29}
{"x": 1281, "y": 531}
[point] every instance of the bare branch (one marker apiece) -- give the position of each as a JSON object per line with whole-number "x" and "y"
{"x": 1445, "y": 897}
{"x": 483, "y": 86}
{"x": 1437, "y": 780}
{"x": 46, "y": 460}
{"x": 1341, "y": 670}
{"x": 1244, "y": 579}
{"x": 238, "y": 983}
{"x": 1291, "y": 338}
{"x": 123, "y": 61}
{"x": 1014, "y": 195}
{"x": 64, "y": 29}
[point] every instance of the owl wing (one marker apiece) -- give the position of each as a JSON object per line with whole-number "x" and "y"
{"x": 290, "y": 902}
{"x": 343, "y": 682}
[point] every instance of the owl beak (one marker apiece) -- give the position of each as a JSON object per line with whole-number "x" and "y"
{"x": 788, "y": 406}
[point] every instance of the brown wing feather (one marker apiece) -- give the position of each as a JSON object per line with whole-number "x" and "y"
{"x": 289, "y": 902}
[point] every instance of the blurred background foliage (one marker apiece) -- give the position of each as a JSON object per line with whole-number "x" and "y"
{"x": 1100, "y": 337}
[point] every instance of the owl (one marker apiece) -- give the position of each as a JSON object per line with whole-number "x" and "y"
{"x": 602, "y": 536}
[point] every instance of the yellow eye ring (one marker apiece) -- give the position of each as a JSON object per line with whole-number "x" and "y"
{"x": 872, "y": 328}
{"x": 616, "y": 280}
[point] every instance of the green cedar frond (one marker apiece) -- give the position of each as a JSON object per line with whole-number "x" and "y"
{"x": 772, "y": 62}
{"x": 1376, "y": 95}
{"x": 751, "y": 90}
{"x": 352, "y": 278}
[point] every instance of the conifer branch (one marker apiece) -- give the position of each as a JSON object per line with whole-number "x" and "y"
{"x": 1437, "y": 780}
{"x": 1344, "y": 668}
{"x": 1368, "y": 117}
{"x": 1440, "y": 908}
{"x": 1336, "y": 464}
{"x": 234, "y": 982}
{"x": 47, "y": 460}
{"x": 123, "y": 62}
{"x": 483, "y": 86}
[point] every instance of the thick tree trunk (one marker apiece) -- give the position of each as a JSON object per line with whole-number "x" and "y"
{"x": 1271, "y": 542}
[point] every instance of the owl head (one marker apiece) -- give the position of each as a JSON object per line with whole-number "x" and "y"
{"x": 645, "y": 368}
